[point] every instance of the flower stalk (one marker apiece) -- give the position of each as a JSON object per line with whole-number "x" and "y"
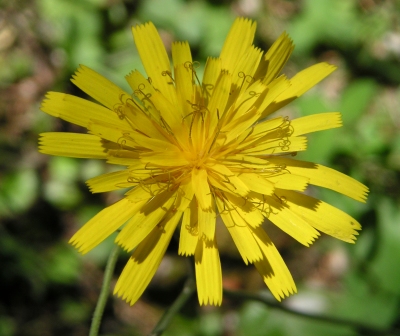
{"x": 104, "y": 293}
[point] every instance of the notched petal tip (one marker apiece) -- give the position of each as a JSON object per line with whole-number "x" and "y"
{"x": 79, "y": 70}
{"x": 363, "y": 194}
{"x": 123, "y": 244}
{"x": 49, "y": 96}
{"x": 210, "y": 301}
{"x": 78, "y": 245}
{"x": 312, "y": 239}
{"x": 145, "y": 25}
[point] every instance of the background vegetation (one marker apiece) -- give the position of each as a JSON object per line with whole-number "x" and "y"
{"x": 47, "y": 288}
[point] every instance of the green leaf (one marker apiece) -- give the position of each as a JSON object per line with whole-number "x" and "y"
{"x": 18, "y": 191}
{"x": 161, "y": 12}
{"x": 355, "y": 100}
{"x": 63, "y": 264}
{"x": 62, "y": 189}
{"x": 394, "y": 156}
{"x": 362, "y": 302}
{"x": 8, "y": 326}
{"x": 385, "y": 267}
{"x": 321, "y": 21}
{"x": 74, "y": 312}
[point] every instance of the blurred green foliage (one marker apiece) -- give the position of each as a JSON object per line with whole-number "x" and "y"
{"x": 48, "y": 289}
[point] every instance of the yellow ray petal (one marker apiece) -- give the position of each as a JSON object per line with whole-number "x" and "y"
{"x": 242, "y": 140}
{"x": 144, "y": 192}
{"x": 248, "y": 65}
{"x": 147, "y": 124}
{"x": 238, "y": 41}
{"x": 264, "y": 134}
{"x": 240, "y": 232}
{"x": 257, "y": 183}
{"x": 110, "y": 181}
{"x": 243, "y": 74}
{"x": 234, "y": 129}
{"x": 316, "y": 122}
{"x": 185, "y": 195}
{"x": 289, "y": 181}
{"x": 325, "y": 177}
{"x": 154, "y": 144}
{"x": 216, "y": 183}
{"x": 75, "y": 145}
{"x": 245, "y": 101}
{"x": 283, "y": 217}
{"x": 164, "y": 159}
{"x": 208, "y": 273}
{"x": 181, "y": 53}
{"x": 276, "y": 146}
{"x": 207, "y": 222}
{"x": 184, "y": 90}
{"x": 218, "y": 100}
{"x": 77, "y": 110}
{"x": 268, "y": 126}
{"x": 242, "y": 161}
{"x": 145, "y": 220}
{"x": 276, "y": 58}
{"x": 99, "y": 88}
{"x": 172, "y": 119}
{"x": 299, "y": 84}
{"x": 103, "y": 224}
{"x": 141, "y": 176}
{"x": 322, "y": 216}
{"x": 201, "y": 188}
{"x": 245, "y": 209}
{"x": 154, "y": 59}
{"x": 189, "y": 234}
{"x": 197, "y": 132}
{"x": 275, "y": 89}
{"x": 144, "y": 262}
{"x": 272, "y": 268}
{"x": 227, "y": 178}
{"x": 306, "y": 79}
{"x": 143, "y": 91}
{"x": 212, "y": 72}
{"x": 111, "y": 133}
{"x": 128, "y": 138}
{"x": 124, "y": 158}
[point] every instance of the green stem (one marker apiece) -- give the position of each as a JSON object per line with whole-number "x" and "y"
{"x": 187, "y": 291}
{"x": 105, "y": 289}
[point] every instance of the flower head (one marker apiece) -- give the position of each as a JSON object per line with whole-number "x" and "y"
{"x": 198, "y": 149}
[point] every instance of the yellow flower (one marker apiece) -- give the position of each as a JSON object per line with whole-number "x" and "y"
{"x": 195, "y": 150}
